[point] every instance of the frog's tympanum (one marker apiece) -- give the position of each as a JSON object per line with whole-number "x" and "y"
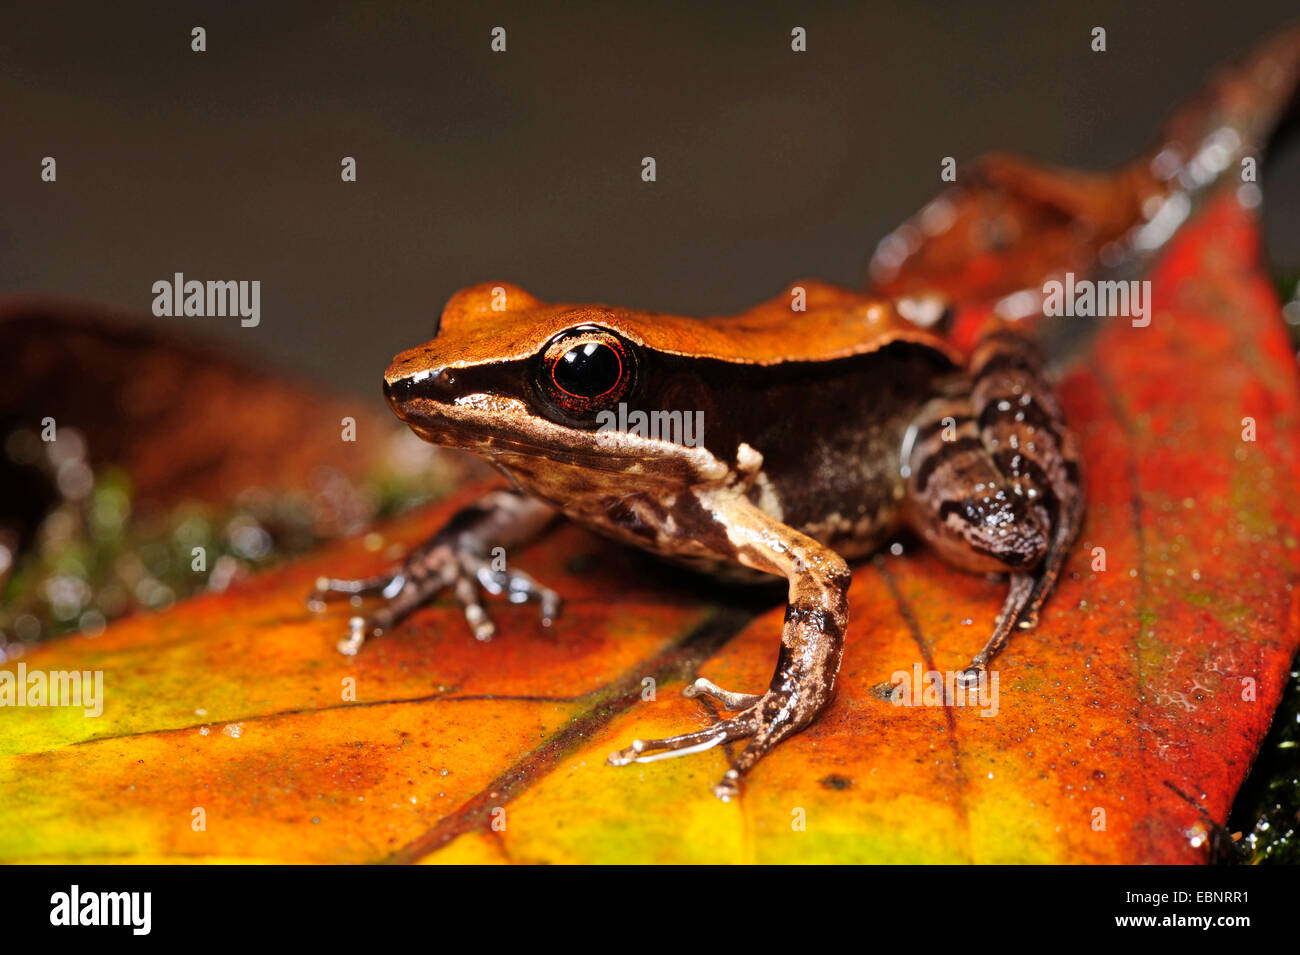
{"x": 824, "y": 432}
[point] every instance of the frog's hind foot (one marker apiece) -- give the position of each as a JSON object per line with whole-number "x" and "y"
{"x": 1019, "y": 593}
{"x": 1025, "y": 597}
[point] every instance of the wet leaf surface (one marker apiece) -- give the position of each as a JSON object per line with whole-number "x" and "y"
{"x": 1124, "y": 723}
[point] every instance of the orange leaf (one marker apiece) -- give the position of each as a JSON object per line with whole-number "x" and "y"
{"x": 1140, "y": 699}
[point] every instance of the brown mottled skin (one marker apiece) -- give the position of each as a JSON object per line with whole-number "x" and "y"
{"x": 994, "y": 486}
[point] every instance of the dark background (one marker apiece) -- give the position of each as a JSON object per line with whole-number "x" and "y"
{"x": 525, "y": 166}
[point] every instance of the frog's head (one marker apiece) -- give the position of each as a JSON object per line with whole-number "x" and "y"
{"x": 518, "y": 381}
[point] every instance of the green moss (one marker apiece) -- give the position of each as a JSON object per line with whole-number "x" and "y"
{"x": 93, "y": 558}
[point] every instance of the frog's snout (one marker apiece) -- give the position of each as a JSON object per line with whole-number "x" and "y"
{"x": 402, "y": 386}
{"x": 397, "y": 391}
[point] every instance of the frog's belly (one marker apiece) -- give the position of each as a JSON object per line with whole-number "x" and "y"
{"x": 843, "y": 488}
{"x": 851, "y": 543}
{"x": 857, "y": 534}
{"x": 677, "y": 528}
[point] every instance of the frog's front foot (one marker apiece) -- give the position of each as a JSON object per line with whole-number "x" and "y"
{"x": 765, "y": 719}
{"x": 812, "y": 642}
{"x": 428, "y": 571}
{"x": 729, "y": 700}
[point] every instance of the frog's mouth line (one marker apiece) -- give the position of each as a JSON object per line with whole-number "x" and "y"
{"x": 486, "y": 425}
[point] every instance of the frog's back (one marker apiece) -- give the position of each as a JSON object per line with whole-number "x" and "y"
{"x": 809, "y": 321}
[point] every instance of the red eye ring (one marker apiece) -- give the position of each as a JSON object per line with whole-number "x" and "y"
{"x": 585, "y": 370}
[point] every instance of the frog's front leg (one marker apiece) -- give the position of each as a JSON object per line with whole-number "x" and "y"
{"x": 812, "y": 642}
{"x": 458, "y": 558}
{"x": 993, "y": 479}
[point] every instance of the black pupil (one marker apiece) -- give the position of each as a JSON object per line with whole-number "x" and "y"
{"x": 588, "y": 371}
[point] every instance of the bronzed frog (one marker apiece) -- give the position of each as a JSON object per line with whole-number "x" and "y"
{"x": 824, "y": 431}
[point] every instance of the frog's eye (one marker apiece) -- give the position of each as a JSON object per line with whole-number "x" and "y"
{"x": 585, "y": 370}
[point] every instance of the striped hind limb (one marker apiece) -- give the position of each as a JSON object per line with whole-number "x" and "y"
{"x": 993, "y": 481}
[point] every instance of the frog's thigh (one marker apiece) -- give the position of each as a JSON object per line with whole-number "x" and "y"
{"x": 992, "y": 478}
{"x": 1021, "y": 423}
{"x": 957, "y": 499}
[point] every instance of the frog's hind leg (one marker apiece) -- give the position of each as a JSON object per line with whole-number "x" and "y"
{"x": 993, "y": 479}
{"x": 1022, "y": 424}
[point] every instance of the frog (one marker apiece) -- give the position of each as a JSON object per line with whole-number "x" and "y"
{"x": 832, "y": 419}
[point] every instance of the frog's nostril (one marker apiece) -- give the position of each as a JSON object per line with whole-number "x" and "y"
{"x": 431, "y": 383}
{"x": 401, "y": 389}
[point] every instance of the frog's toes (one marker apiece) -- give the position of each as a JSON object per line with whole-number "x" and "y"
{"x": 402, "y": 593}
{"x": 728, "y": 787}
{"x": 771, "y": 718}
{"x": 354, "y": 590}
{"x": 350, "y": 644}
{"x": 426, "y": 573}
{"x": 466, "y": 594}
{"x": 729, "y": 700}
{"x": 519, "y": 587}
{"x": 971, "y": 675}
{"x": 649, "y": 750}
{"x": 627, "y": 755}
